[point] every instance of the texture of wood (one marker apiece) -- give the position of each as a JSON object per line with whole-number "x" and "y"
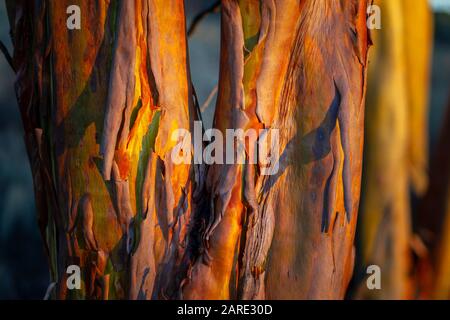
{"x": 302, "y": 71}
{"x": 99, "y": 106}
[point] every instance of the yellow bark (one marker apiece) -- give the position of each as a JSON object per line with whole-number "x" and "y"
{"x": 395, "y": 157}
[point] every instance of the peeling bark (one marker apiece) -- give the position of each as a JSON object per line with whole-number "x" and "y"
{"x": 98, "y": 147}
{"x": 268, "y": 237}
{"x": 99, "y": 107}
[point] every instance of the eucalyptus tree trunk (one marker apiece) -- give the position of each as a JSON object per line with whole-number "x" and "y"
{"x": 434, "y": 222}
{"x": 100, "y": 104}
{"x": 396, "y": 153}
{"x": 302, "y": 71}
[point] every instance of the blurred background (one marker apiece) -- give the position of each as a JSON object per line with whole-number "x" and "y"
{"x": 23, "y": 266}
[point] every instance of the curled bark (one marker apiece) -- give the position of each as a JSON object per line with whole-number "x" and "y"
{"x": 267, "y": 237}
{"x": 99, "y": 147}
{"x": 100, "y": 106}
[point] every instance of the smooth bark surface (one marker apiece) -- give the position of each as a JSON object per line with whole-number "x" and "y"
{"x": 434, "y": 222}
{"x": 395, "y": 157}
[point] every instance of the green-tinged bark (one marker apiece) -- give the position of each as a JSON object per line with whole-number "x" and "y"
{"x": 299, "y": 68}
{"x": 99, "y": 107}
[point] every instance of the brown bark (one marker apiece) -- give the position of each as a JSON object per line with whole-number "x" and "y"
{"x": 292, "y": 232}
{"x": 111, "y": 200}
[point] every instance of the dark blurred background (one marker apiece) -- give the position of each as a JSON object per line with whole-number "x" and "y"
{"x": 23, "y": 266}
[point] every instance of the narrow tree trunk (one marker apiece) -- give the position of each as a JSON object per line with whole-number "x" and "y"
{"x": 99, "y": 106}
{"x": 434, "y": 222}
{"x": 302, "y": 71}
{"x": 396, "y": 151}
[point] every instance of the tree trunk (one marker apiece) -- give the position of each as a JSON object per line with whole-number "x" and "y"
{"x": 434, "y": 222}
{"x": 99, "y": 107}
{"x": 395, "y": 157}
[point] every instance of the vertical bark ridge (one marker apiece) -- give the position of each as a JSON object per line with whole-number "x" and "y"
{"x": 99, "y": 105}
{"x": 307, "y": 88}
{"x": 396, "y": 123}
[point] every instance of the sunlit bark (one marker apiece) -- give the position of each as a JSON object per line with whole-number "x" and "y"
{"x": 302, "y": 70}
{"x": 395, "y": 158}
{"x": 99, "y": 106}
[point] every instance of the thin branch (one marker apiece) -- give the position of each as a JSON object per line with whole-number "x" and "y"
{"x": 213, "y": 8}
{"x": 8, "y": 57}
{"x": 209, "y": 99}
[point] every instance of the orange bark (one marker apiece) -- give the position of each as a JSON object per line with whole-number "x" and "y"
{"x": 110, "y": 198}
{"x": 299, "y": 69}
